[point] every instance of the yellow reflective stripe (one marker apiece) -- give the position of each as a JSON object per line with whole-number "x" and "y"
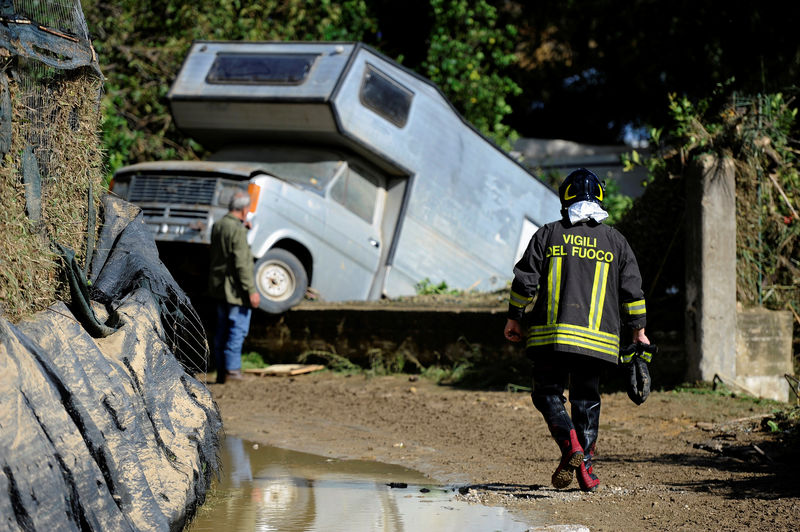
{"x": 554, "y": 282}
{"x": 635, "y": 307}
{"x": 577, "y": 342}
{"x": 575, "y": 329}
{"x": 566, "y": 338}
{"x": 519, "y": 300}
{"x": 636, "y": 350}
{"x": 598, "y": 295}
{"x": 573, "y": 335}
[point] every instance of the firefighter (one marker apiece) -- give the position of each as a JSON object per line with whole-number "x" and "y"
{"x": 588, "y": 285}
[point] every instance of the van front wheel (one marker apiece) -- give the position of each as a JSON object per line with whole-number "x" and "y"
{"x": 281, "y": 281}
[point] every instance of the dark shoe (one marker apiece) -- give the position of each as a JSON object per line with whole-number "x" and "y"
{"x": 571, "y": 461}
{"x": 224, "y": 376}
{"x": 234, "y": 375}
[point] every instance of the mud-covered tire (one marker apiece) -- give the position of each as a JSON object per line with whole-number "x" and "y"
{"x": 281, "y": 280}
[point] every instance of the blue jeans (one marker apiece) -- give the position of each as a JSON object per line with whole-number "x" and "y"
{"x": 233, "y": 322}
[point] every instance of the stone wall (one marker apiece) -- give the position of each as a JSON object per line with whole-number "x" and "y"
{"x": 764, "y": 352}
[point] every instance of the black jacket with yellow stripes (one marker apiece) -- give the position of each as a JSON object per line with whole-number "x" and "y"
{"x": 588, "y": 285}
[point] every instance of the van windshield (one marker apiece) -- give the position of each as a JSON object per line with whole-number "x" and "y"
{"x": 310, "y": 175}
{"x": 310, "y": 169}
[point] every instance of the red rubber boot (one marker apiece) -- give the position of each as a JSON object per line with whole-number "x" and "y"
{"x": 587, "y": 480}
{"x": 571, "y": 461}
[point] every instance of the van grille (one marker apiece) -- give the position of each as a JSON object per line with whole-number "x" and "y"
{"x": 172, "y": 189}
{"x": 151, "y": 212}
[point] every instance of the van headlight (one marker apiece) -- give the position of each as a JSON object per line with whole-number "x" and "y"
{"x": 120, "y": 188}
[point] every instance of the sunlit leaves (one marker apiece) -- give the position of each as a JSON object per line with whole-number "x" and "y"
{"x": 467, "y": 59}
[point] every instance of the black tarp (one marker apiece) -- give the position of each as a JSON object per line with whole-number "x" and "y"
{"x": 107, "y": 433}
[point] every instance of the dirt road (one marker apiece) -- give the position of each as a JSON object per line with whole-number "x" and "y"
{"x": 681, "y": 461}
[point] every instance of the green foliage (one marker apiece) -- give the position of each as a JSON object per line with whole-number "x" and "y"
{"x": 633, "y": 159}
{"x": 756, "y": 132}
{"x": 549, "y": 176}
{"x": 467, "y": 367}
{"x": 785, "y": 423}
{"x": 382, "y": 363}
{"x": 767, "y": 200}
{"x": 426, "y": 287}
{"x": 332, "y": 359}
{"x": 468, "y": 58}
{"x": 615, "y": 202}
{"x": 253, "y": 360}
{"x": 472, "y": 368}
{"x": 449, "y": 375}
{"x": 719, "y": 389}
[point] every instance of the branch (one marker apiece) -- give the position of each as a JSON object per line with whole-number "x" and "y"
{"x": 783, "y": 195}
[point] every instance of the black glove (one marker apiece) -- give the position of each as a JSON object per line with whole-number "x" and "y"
{"x": 635, "y": 358}
{"x": 638, "y": 381}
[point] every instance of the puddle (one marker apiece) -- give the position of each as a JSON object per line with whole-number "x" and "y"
{"x": 265, "y": 488}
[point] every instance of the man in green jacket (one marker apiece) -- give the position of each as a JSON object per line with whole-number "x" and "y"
{"x": 231, "y": 284}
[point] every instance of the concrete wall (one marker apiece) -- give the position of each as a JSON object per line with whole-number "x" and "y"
{"x": 358, "y": 332}
{"x": 750, "y": 350}
{"x": 711, "y": 269}
{"x": 432, "y": 336}
{"x": 764, "y": 352}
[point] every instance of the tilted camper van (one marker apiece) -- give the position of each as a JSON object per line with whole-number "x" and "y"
{"x": 365, "y": 180}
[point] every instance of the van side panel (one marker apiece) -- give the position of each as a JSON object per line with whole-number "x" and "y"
{"x": 464, "y": 214}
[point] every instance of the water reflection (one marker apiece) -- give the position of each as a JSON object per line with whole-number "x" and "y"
{"x": 270, "y": 489}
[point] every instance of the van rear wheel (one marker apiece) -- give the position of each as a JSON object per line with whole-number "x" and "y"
{"x": 281, "y": 280}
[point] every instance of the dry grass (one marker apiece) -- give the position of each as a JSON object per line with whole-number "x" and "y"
{"x": 57, "y": 115}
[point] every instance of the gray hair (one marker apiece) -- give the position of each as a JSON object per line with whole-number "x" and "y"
{"x": 239, "y": 201}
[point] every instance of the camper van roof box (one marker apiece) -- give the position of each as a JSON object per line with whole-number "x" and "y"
{"x": 251, "y": 91}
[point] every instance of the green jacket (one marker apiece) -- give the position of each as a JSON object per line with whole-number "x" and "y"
{"x": 230, "y": 275}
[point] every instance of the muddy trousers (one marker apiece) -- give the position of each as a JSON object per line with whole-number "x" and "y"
{"x": 552, "y": 374}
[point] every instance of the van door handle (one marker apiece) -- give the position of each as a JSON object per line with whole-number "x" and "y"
{"x": 374, "y": 243}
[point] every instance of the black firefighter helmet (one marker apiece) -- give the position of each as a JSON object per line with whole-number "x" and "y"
{"x": 581, "y": 185}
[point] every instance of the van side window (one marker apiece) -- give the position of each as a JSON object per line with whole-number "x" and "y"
{"x": 385, "y": 96}
{"x": 357, "y": 191}
{"x": 261, "y": 69}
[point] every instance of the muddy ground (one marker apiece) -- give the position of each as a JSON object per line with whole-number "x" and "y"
{"x": 681, "y": 461}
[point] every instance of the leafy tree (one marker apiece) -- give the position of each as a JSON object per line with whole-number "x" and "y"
{"x": 469, "y": 58}
{"x": 754, "y": 131}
